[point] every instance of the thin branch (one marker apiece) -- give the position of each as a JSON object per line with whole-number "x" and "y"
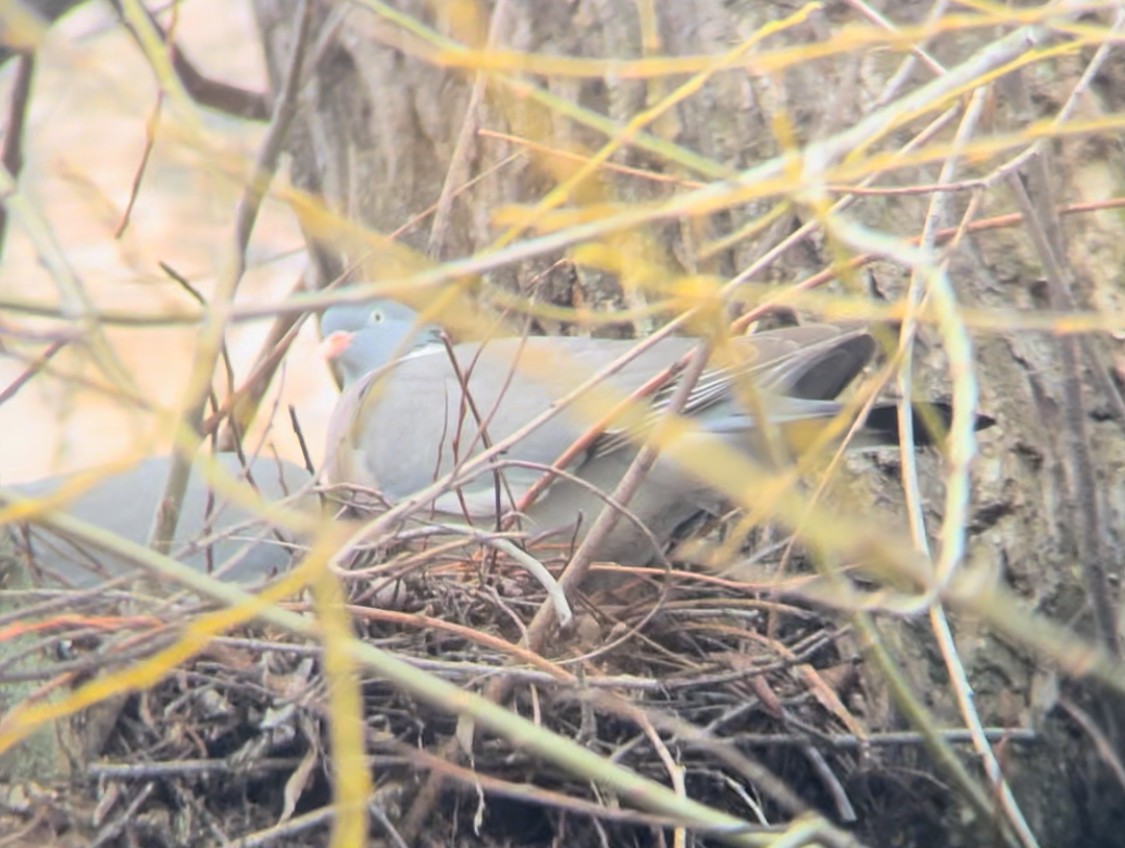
{"x": 217, "y": 316}
{"x": 12, "y": 155}
{"x": 213, "y": 94}
{"x": 544, "y": 621}
{"x": 1087, "y": 507}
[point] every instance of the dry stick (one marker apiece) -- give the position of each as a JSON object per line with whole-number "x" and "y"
{"x": 701, "y": 739}
{"x": 214, "y": 325}
{"x": 469, "y": 403}
{"x": 114, "y": 831}
{"x": 186, "y": 767}
{"x": 291, "y": 828}
{"x": 244, "y": 403}
{"x": 459, "y": 160}
{"x": 714, "y": 196}
{"x": 1107, "y": 750}
{"x": 553, "y": 472}
{"x": 34, "y": 368}
{"x": 845, "y": 812}
{"x": 529, "y": 793}
{"x": 12, "y": 155}
{"x": 849, "y": 741}
{"x": 419, "y": 499}
{"x": 568, "y": 755}
{"x": 957, "y": 477}
{"x": 252, "y": 311}
{"x": 422, "y": 623}
{"x": 1097, "y": 368}
{"x": 541, "y": 625}
{"x": 576, "y": 570}
{"x": 305, "y": 456}
{"x": 917, "y": 52}
{"x": 284, "y": 329}
{"x": 674, "y": 769}
{"x": 1101, "y": 375}
{"x": 1091, "y": 552}
{"x": 92, "y": 385}
{"x": 224, "y": 353}
{"x": 214, "y": 94}
{"x": 570, "y": 156}
{"x": 594, "y": 432}
{"x": 152, "y": 122}
{"x": 240, "y": 406}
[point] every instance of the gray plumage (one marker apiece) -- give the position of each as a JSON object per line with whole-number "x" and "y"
{"x": 244, "y": 551}
{"x": 401, "y": 424}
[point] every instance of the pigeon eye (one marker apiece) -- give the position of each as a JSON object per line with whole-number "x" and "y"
{"x": 376, "y": 317}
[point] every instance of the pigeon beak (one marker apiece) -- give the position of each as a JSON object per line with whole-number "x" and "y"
{"x": 335, "y": 344}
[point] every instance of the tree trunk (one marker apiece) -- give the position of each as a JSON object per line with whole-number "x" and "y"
{"x": 386, "y": 133}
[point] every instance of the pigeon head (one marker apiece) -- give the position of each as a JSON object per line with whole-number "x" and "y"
{"x": 361, "y": 337}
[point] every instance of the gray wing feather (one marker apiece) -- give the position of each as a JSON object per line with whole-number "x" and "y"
{"x": 124, "y": 504}
{"x": 411, "y": 423}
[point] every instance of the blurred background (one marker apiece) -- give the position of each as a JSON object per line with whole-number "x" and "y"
{"x": 93, "y": 97}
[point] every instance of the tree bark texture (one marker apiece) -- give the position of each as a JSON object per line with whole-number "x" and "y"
{"x": 383, "y": 130}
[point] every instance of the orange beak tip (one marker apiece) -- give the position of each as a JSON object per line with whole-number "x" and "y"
{"x": 334, "y": 344}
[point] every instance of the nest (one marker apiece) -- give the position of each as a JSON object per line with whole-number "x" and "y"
{"x": 733, "y": 692}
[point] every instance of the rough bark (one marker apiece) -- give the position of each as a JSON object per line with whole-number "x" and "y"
{"x": 377, "y": 140}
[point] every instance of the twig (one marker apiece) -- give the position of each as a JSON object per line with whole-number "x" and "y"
{"x": 544, "y": 620}
{"x": 459, "y": 159}
{"x": 468, "y": 404}
{"x": 34, "y": 368}
{"x": 197, "y": 295}
{"x": 12, "y": 155}
{"x": 216, "y": 317}
{"x": 533, "y": 566}
{"x": 214, "y": 94}
{"x": 957, "y": 483}
{"x": 77, "y": 306}
{"x": 845, "y": 812}
{"x": 181, "y": 768}
{"x": 296, "y": 424}
{"x": 1109, "y": 753}
{"x": 240, "y": 606}
{"x": 596, "y": 430}
{"x": 1087, "y": 511}
{"x": 151, "y": 123}
{"x": 240, "y": 407}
